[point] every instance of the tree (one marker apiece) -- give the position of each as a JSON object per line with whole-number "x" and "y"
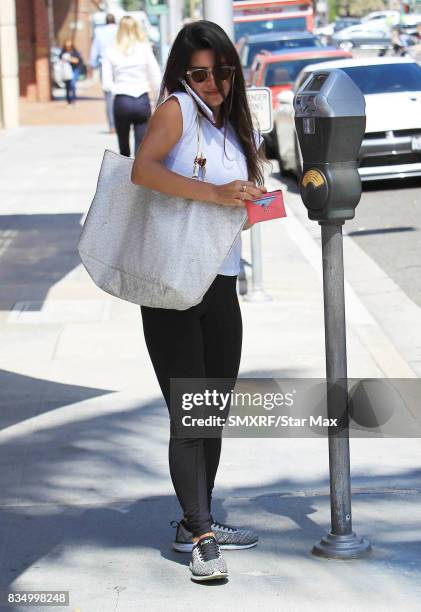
{"x": 133, "y": 5}
{"x": 358, "y": 8}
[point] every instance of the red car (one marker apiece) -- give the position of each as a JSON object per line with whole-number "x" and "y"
{"x": 279, "y": 72}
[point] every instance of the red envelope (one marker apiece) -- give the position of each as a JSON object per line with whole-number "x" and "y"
{"x": 269, "y": 206}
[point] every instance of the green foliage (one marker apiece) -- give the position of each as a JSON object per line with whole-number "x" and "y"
{"x": 133, "y": 5}
{"x": 357, "y": 8}
{"x": 332, "y": 10}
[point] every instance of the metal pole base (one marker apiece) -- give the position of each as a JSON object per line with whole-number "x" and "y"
{"x": 257, "y": 296}
{"x": 348, "y": 546}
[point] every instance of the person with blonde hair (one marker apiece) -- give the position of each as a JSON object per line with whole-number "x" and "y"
{"x": 131, "y": 72}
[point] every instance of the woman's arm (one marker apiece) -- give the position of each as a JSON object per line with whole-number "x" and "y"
{"x": 164, "y": 131}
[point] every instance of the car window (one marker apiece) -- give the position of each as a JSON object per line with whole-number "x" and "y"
{"x": 248, "y": 28}
{"x": 252, "y": 49}
{"x": 386, "y": 78}
{"x": 282, "y": 73}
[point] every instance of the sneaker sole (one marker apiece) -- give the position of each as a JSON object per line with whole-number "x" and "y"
{"x": 189, "y": 547}
{"x": 215, "y": 576}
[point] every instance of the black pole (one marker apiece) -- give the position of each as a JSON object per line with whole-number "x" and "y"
{"x": 341, "y": 542}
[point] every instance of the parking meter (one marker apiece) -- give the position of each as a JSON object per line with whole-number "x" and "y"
{"x": 330, "y": 123}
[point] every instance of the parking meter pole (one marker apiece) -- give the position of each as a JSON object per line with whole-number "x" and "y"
{"x": 341, "y": 542}
{"x": 257, "y": 293}
{"x": 330, "y": 122}
{"x": 336, "y": 375}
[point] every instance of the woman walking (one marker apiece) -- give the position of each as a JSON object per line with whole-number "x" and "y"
{"x": 205, "y": 340}
{"x": 131, "y": 72}
{"x": 73, "y": 58}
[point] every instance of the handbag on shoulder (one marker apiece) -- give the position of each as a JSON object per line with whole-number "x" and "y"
{"x": 150, "y": 248}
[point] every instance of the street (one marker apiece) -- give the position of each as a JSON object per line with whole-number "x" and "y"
{"x": 387, "y": 226}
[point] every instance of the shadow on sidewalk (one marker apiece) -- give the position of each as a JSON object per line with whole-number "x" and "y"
{"x": 46, "y": 474}
{"x": 40, "y": 251}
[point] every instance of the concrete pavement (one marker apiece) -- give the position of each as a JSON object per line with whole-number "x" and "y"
{"x": 86, "y": 494}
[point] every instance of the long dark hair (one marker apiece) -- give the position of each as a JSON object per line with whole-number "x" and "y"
{"x": 208, "y": 35}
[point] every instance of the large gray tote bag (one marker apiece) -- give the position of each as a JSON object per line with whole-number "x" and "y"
{"x": 149, "y": 248}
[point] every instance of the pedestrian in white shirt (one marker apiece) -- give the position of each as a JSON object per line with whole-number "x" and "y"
{"x": 131, "y": 72}
{"x": 103, "y": 38}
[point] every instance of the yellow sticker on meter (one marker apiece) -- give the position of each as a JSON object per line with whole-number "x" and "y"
{"x": 313, "y": 176}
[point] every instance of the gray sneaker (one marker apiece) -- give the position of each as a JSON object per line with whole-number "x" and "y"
{"x": 207, "y": 562}
{"x": 228, "y": 538}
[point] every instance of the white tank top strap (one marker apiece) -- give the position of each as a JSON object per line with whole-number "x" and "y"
{"x": 191, "y": 117}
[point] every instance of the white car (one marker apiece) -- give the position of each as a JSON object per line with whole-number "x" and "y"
{"x": 391, "y": 16}
{"x": 364, "y": 36}
{"x": 392, "y": 142}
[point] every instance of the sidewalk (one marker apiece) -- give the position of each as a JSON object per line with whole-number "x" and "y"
{"x": 88, "y": 109}
{"x": 86, "y": 493}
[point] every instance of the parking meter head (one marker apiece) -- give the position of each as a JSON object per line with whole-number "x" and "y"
{"x": 330, "y": 124}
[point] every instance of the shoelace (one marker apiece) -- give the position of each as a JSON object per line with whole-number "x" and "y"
{"x": 215, "y": 524}
{"x": 222, "y": 527}
{"x": 208, "y": 548}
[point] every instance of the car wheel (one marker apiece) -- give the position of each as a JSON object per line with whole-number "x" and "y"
{"x": 281, "y": 166}
{"x": 271, "y": 144}
{"x": 282, "y": 170}
{"x": 346, "y": 45}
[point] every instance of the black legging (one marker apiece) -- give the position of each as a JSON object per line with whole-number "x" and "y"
{"x": 203, "y": 341}
{"x": 129, "y": 110}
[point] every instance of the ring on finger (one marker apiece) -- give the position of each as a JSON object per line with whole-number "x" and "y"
{"x": 244, "y": 188}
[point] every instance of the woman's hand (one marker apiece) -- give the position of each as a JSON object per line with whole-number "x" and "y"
{"x": 235, "y": 193}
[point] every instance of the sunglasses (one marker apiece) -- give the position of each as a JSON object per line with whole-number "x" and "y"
{"x": 220, "y": 73}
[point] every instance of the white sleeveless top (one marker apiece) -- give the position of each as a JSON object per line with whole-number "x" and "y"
{"x": 221, "y": 167}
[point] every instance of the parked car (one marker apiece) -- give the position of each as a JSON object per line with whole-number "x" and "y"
{"x": 279, "y": 71}
{"x": 392, "y": 17}
{"x": 363, "y": 36}
{"x": 326, "y": 32}
{"x": 392, "y": 143}
{"x": 250, "y": 46}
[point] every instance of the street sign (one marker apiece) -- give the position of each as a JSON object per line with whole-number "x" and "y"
{"x": 260, "y": 102}
{"x": 156, "y": 7}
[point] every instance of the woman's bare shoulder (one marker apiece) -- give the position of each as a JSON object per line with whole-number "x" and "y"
{"x": 164, "y": 130}
{"x": 169, "y": 113}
